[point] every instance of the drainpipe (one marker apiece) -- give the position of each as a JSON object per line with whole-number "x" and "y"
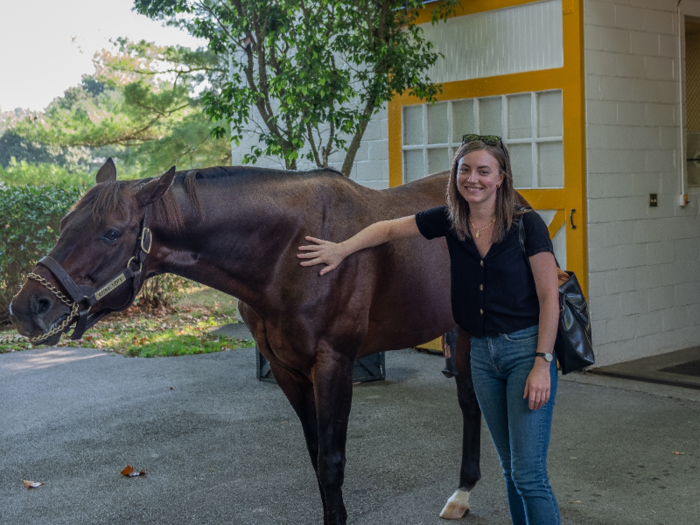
{"x": 683, "y": 197}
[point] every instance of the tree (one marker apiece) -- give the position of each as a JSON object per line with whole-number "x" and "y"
{"x": 315, "y": 71}
{"x": 13, "y": 145}
{"x": 139, "y": 106}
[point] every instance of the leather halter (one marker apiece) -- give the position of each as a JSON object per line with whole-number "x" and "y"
{"x": 86, "y": 296}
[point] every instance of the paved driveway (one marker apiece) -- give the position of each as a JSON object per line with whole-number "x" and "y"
{"x": 220, "y": 447}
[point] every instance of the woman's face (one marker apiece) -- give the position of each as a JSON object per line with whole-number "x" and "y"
{"x": 478, "y": 176}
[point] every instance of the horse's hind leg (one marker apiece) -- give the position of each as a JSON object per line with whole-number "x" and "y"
{"x": 458, "y": 505}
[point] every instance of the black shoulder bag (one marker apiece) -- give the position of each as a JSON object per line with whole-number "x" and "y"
{"x": 573, "y": 347}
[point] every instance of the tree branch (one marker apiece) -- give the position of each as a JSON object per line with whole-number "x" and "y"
{"x": 312, "y": 143}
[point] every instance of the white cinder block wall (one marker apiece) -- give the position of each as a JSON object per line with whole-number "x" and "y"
{"x": 371, "y": 166}
{"x": 644, "y": 271}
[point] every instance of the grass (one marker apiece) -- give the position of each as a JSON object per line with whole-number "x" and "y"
{"x": 185, "y": 331}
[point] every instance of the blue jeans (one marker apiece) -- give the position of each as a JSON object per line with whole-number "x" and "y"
{"x": 500, "y": 366}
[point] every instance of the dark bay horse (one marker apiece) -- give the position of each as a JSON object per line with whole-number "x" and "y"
{"x": 237, "y": 229}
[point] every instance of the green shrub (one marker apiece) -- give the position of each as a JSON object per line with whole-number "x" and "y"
{"x": 161, "y": 292}
{"x": 29, "y": 220}
{"x": 19, "y": 173}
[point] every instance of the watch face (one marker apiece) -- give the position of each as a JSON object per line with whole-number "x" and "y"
{"x": 548, "y": 357}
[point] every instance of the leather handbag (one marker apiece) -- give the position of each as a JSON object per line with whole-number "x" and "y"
{"x": 573, "y": 347}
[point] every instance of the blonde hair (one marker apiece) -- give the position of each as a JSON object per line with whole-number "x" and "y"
{"x": 507, "y": 202}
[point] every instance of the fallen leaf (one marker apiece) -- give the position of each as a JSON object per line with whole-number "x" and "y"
{"x": 130, "y": 472}
{"x": 32, "y": 484}
{"x": 678, "y": 453}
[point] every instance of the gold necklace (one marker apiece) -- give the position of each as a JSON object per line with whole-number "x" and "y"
{"x": 477, "y": 233}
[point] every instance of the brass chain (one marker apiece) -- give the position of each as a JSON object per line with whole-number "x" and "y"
{"x": 73, "y": 308}
{"x": 51, "y": 287}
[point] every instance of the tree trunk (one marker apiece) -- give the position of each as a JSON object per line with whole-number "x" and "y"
{"x": 357, "y": 140}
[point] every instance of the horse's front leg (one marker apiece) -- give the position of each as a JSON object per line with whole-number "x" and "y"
{"x": 296, "y": 387}
{"x": 300, "y": 393}
{"x": 458, "y": 504}
{"x": 332, "y": 379}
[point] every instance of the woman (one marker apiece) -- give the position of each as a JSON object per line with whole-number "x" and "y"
{"x": 509, "y": 307}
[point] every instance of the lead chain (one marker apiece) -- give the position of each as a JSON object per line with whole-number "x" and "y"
{"x": 73, "y": 308}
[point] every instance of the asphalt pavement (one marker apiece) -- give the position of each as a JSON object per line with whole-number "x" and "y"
{"x": 220, "y": 447}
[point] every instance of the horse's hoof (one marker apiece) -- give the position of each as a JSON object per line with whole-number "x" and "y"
{"x": 457, "y": 506}
{"x": 454, "y": 511}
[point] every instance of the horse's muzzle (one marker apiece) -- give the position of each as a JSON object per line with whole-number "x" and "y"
{"x": 34, "y": 314}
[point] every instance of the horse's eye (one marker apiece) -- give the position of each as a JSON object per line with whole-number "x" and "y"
{"x": 111, "y": 236}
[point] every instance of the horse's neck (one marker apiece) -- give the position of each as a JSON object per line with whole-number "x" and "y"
{"x": 235, "y": 246}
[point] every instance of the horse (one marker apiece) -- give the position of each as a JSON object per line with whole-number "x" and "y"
{"x": 237, "y": 229}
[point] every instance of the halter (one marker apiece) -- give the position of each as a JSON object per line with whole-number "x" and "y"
{"x": 87, "y": 296}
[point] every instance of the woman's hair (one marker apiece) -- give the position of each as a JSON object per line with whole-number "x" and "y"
{"x": 507, "y": 201}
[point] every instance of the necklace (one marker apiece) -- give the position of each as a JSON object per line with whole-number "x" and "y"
{"x": 477, "y": 233}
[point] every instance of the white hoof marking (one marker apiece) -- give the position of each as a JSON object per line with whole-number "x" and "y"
{"x": 457, "y": 506}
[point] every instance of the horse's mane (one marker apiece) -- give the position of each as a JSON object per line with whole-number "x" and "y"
{"x": 223, "y": 172}
{"x": 106, "y": 198}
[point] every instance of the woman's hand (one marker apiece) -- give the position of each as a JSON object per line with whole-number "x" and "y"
{"x": 538, "y": 384}
{"x": 323, "y": 252}
{"x": 332, "y": 254}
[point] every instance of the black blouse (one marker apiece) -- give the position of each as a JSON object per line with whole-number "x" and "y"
{"x": 496, "y": 294}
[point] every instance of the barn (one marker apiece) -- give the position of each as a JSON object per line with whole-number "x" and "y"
{"x": 599, "y": 104}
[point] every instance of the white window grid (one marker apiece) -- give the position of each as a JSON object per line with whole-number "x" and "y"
{"x": 534, "y": 140}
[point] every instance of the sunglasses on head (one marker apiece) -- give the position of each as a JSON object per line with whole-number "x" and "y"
{"x": 489, "y": 140}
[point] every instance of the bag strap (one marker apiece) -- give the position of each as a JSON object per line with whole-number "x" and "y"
{"x": 562, "y": 275}
{"x": 522, "y": 238}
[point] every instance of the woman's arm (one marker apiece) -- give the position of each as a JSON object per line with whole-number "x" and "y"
{"x": 332, "y": 254}
{"x": 544, "y": 270}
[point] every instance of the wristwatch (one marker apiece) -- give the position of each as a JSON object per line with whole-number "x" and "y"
{"x": 547, "y": 356}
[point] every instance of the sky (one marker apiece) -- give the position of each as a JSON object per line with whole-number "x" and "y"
{"x": 47, "y": 45}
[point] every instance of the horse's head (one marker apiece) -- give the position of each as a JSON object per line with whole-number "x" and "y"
{"x": 98, "y": 263}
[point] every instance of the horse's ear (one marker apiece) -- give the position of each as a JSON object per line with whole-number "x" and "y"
{"x": 107, "y": 172}
{"x": 155, "y": 189}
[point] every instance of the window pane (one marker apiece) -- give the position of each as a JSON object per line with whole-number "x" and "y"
{"x": 413, "y": 165}
{"x": 412, "y": 125}
{"x": 437, "y": 123}
{"x": 438, "y": 160}
{"x": 462, "y": 119}
{"x": 490, "y": 116}
{"x": 519, "y": 117}
{"x": 521, "y": 164}
{"x": 550, "y": 114}
{"x": 551, "y": 165}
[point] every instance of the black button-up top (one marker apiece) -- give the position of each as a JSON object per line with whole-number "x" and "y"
{"x": 496, "y": 294}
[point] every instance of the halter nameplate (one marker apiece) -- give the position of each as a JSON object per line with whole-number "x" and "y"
{"x": 99, "y": 294}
